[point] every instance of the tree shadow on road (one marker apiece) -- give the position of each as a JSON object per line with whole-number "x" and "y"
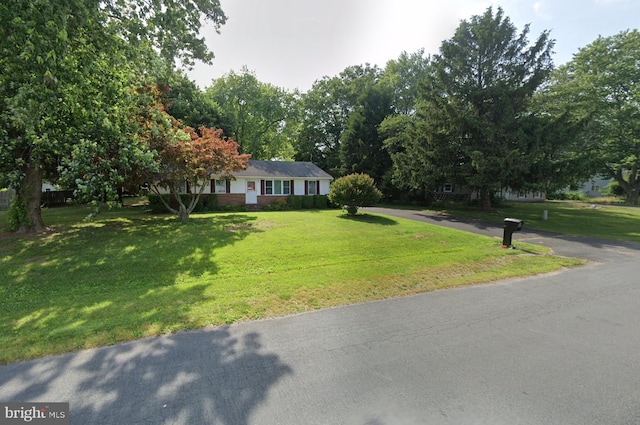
{"x": 211, "y": 376}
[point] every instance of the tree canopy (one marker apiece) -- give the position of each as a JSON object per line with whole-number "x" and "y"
{"x": 472, "y": 123}
{"x": 258, "y": 115}
{"x": 66, "y": 97}
{"x": 599, "y": 93}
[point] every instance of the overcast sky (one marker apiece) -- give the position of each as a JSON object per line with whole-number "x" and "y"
{"x": 292, "y": 43}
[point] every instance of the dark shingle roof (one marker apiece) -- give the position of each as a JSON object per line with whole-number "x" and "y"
{"x": 283, "y": 169}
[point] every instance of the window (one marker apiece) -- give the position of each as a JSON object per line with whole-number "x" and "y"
{"x": 277, "y": 187}
{"x": 220, "y": 186}
{"x": 311, "y": 187}
{"x": 447, "y": 188}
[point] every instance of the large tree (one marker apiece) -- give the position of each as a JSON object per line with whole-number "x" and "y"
{"x": 404, "y": 76}
{"x": 326, "y": 111}
{"x": 361, "y": 149}
{"x": 472, "y": 121}
{"x": 256, "y": 113}
{"x": 599, "y": 93}
{"x": 185, "y": 101}
{"x": 184, "y": 159}
{"x": 65, "y": 88}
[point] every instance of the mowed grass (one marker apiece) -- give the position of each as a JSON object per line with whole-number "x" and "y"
{"x": 566, "y": 217}
{"x": 128, "y": 274}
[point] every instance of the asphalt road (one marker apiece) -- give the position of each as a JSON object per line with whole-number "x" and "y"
{"x": 562, "y": 348}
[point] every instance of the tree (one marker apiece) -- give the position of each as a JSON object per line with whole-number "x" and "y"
{"x": 354, "y": 191}
{"x": 185, "y": 160}
{"x": 404, "y": 77}
{"x": 186, "y": 102}
{"x": 65, "y": 89}
{"x": 191, "y": 157}
{"x": 257, "y": 113}
{"x": 471, "y": 121}
{"x": 361, "y": 149}
{"x": 599, "y": 93}
{"x": 326, "y": 111}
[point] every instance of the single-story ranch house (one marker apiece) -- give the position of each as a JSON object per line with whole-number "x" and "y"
{"x": 265, "y": 181}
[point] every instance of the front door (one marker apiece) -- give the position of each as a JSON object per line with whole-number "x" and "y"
{"x": 252, "y": 194}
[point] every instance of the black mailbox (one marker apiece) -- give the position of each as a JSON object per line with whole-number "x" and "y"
{"x": 510, "y": 225}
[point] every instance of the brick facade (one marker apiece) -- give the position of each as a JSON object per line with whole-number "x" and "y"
{"x": 234, "y": 199}
{"x": 237, "y": 199}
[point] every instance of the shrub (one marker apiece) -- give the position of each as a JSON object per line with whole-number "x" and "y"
{"x": 17, "y": 214}
{"x": 307, "y": 202}
{"x": 320, "y": 201}
{"x": 354, "y": 191}
{"x": 155, "y": 204}
{"x": 569, "y": 196}
{"x": 294, "y": 202}
{"x": 277, "y": 205}
{"x": 207, "y": 202}
{"x": 614, "y": 189}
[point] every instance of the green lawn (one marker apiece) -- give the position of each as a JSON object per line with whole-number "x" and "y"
{"x": 570, "y": 218}
{"x": 128, "y": 274}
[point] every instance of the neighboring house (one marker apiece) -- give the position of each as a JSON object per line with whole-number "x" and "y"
{"x": 265, "y": 181}
{"x": 522, "y": 196}
{"x": 451, "y": 191}
{"x": 595, "y": 187}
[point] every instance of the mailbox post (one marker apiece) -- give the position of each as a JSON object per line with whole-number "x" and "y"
{"x": 510, "y": 225}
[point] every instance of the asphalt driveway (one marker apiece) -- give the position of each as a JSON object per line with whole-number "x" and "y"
{"x": 555, "y": 349}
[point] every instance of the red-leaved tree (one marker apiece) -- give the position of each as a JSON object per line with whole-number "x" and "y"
{"x": 185, "y": 159}
{"x": 192, "y": 158}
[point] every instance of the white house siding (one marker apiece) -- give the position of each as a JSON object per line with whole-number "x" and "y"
{"x": 535, "y": 196}
{"x": 324, "y": 187}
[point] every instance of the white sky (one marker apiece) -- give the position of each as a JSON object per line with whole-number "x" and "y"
{"x": 292, "y": 43}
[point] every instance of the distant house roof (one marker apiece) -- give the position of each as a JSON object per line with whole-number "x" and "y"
{"x": 283, "y": 169}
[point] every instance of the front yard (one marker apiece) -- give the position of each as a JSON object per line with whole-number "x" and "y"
{"x": 129, "y": 274}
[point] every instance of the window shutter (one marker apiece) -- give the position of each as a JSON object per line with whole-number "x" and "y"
{"x": 228, "y": 188}
{"x": 261, "y": 187}
{"x": 317, "y": 187}
{"x": 213, "y": 186}
{"x": 291, "y": 191}
{"x": 306, "y": 187}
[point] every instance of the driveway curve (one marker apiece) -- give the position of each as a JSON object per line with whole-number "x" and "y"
{"x": 561, "y": 348}
{"x": 593, "y": 249}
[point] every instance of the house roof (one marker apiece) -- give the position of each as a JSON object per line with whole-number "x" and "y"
{"x": 283, "y": 169}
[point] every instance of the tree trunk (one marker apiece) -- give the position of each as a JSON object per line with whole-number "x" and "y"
{"x": 183, "y": 213}
{"x": 631, "y": 187}
{"x": 485, "y": 199}
{"x": 30, "y": 192}
{"x": 632, "y": 195}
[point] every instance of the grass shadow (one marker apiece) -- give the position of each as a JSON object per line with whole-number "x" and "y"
{"x": 120, "y": 277}
{"x": 369, "y": 218}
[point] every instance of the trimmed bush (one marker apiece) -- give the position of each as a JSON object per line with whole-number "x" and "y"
{"x": 207, "y": 202}
{"x": 307, "y": 202}
{"x": 277, "y": 205}
{"x": 294, "y": 202}
{"x": 354, "y": 191}
{"x": 320, "y": 201}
